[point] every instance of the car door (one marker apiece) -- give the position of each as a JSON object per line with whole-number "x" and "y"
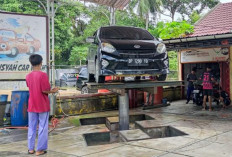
{"x": 93, "y": 49}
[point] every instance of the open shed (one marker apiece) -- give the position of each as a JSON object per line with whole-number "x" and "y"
{"x": 210, "y": 44}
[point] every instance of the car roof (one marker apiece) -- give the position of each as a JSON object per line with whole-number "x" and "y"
{"x": 122, "y": 27}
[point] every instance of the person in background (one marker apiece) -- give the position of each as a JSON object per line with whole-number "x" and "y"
{"x": 38, "y": 106}
{"x": 191, "y": 78}
{"x": 207, "y": 81}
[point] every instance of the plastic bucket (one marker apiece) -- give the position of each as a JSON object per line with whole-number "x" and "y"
{"x": 19, "y": 105}
{"x": 3, "y": 98}
{"x": 164, "y": 101}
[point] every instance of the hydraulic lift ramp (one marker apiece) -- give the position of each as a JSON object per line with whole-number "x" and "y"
{"x": 121, "y": 88}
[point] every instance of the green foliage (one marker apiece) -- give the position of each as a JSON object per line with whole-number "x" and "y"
{"x": 173, "y": 62}
{"x": 22, "y": 6}
{"x": 194, "y": 17}
{"x": 124, "y": 18}
{"x": 144, "y": 7}
{"x": 186, "y": 7}
{"x": 78, "y": 54}
{"x": 172, "y": 30}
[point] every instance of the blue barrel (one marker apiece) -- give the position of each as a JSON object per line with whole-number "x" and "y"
{"x": 3, "y": 98}
{"x": 19, "y": 105}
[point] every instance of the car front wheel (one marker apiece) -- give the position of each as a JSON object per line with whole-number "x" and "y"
{"x": 14, "y": 52}
{"x": 84, "y": 90}
{"x": 31, "y": 50}
{"x": 162, "y": 77}
{"x": 98, "y": 78}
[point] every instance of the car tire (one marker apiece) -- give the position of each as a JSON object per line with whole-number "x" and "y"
{"x": 84, "y": 90}
{"x": 98, "y": 78}
{"x": 31, "y": 50}
{"x": 14, "y": 52}
{"x": 161, "y": 77}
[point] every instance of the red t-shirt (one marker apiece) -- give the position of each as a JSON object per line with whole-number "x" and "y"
{"x": 207, "y": 80}
{"x": 37, "y": 82}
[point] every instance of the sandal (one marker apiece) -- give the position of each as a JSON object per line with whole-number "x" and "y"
{"x": 31, "y": 152}
{"x": 41, "y": 153}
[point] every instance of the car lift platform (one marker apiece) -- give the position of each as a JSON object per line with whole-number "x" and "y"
{"x": 121, "y": 88}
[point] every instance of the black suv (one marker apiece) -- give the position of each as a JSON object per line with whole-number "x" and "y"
{"x": 123, "y": 51}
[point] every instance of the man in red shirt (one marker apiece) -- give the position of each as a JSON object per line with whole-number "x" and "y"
{"x": 208, "y": 79}
{"x": 38, "y": 106}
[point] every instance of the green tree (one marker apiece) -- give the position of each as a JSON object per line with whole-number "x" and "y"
{"x": 172, "y": 30}
{"x": 144, "y": 7}
{"x": 78, "y": 55}
{"x": 194, "y": 17}
{"x": 186, "y": 7}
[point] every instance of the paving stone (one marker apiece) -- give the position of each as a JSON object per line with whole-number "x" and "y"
{"x": 133, "y": 135}
{"x": 112, "y": 123}
{"x": 127, "y": 151}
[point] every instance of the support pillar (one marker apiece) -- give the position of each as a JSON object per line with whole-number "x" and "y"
{"x": 124, "y": 111}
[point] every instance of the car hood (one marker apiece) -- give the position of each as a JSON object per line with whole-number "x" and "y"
{"x": 130, "y": 44}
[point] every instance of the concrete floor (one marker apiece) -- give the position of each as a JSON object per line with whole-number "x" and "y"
{"x": 209, "y": 135}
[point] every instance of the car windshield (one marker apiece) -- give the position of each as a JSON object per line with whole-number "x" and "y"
{"x": 7, "y": 34}
{"x": 125, "y": 33}
{"x": 83, "y": 72}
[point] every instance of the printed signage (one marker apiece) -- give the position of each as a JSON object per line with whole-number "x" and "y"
{"x": 205, "y": 55}
{"x": 20, "y": 37}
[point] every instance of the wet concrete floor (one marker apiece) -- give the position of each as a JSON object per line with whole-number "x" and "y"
{"x": 209, "y": 134}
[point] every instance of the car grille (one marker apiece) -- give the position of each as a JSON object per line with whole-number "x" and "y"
{"x": 154, "y": 65}
{"x": 136, "y": 54}
{"x": 125, "y": 54}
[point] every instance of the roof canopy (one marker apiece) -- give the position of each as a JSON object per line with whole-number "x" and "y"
{"x": 119, "y": 4}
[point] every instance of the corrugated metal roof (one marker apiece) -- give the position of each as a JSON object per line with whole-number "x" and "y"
{"x": 217, "y": 21}
{"x": 119, "y": 4}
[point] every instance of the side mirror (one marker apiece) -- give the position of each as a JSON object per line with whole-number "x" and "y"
{"x": 161, "y": 40}
{"x": 90, "y": 40}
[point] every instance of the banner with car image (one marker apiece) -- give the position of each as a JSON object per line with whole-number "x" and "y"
{"x": 205, "y": 55}
{"x": 21, "y": 36}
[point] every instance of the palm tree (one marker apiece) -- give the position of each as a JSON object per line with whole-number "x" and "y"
{"x": 145, "y": 7}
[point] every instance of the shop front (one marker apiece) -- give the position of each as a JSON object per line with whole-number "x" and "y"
{"x": 199, "y": 58}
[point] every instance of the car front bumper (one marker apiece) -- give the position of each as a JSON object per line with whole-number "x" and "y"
{"x": 120, "y": 67}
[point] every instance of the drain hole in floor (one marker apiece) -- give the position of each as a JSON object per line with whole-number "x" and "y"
{"x": 163, "y": 131}
{"x": 101, "y": 138}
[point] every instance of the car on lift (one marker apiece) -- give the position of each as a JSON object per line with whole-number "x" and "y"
{"x": 125, "y": 51}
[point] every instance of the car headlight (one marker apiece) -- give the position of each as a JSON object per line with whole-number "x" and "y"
{"x": 3, "y": 46}
{"x": 161, "y": 48}
{"x": 106, "y": 47}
